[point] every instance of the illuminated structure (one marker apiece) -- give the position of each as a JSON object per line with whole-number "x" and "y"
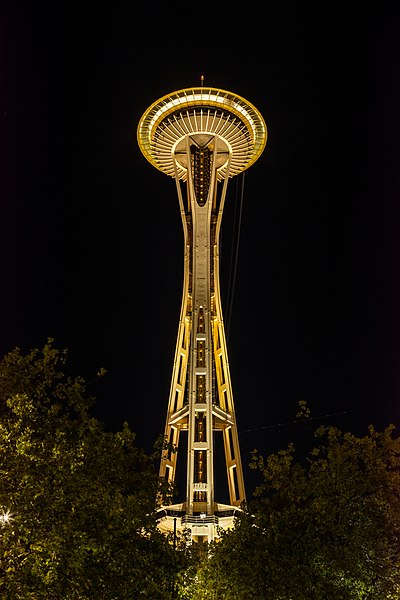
{"x": 201, "y": 137}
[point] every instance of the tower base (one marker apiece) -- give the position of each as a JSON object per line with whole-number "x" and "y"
{"x": 199, "y": 527}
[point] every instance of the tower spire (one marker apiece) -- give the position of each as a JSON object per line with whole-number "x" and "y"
{"x": 201, "y": 137}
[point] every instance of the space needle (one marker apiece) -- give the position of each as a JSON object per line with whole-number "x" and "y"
{"x": 201, "y": 137}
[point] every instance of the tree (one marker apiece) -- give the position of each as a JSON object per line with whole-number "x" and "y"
{"x": 327, "y": 527}
{"x": 78, "y": 502}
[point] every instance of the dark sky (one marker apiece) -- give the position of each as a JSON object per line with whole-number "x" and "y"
{"x": 91, "y": 242}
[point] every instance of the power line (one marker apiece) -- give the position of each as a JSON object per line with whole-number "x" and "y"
{"x": 297, "y": 421}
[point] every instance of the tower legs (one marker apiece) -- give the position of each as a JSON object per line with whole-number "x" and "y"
{"x": 201, "y": 401}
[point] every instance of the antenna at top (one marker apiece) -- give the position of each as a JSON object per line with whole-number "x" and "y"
{"x": 201, "y": 80}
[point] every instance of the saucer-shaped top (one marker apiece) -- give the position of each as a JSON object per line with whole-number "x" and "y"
{"x": 201, "y": 113}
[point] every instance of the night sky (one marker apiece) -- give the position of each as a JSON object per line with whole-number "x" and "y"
{"x": 91, "y": 240}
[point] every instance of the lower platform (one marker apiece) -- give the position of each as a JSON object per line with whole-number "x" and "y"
{"x": 199, "y": 527}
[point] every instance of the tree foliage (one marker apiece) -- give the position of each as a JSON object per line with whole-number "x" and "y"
{"x": 77, "y": 502}
{"x": 327, "y": 527}
{"x": 78, "y": 521}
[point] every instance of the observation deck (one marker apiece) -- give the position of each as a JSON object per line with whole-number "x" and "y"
{"x": 201, "y": 113}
